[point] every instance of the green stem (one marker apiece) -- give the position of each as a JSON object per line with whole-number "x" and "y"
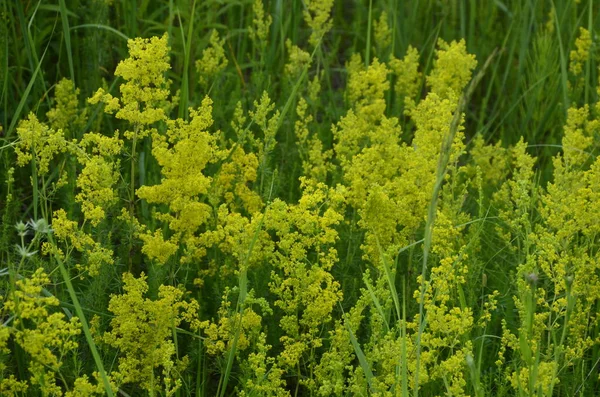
{"x": 84, "y": 324}
{"x": 431, "y": 215}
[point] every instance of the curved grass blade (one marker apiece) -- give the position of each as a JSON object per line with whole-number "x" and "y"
{"x": 84, "y": 324}
{"x": 67, "y": 35}
{"x": 100, "y": 26}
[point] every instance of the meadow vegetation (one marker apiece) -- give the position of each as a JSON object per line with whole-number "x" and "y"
{"x": 299, "y": 198}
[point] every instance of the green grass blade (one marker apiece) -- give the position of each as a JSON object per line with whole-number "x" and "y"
{"x": 103, "y": 27}
{"x": 376, "y": 302}
{"x": 17, "y": 113}
{"x": 390, "y": 279}
{"x": 404, "y": 348}
{"x": 84, "y": 324}
{"x": 362, "y": 359}
{"x": 563, "y": 64}
{"x": 290, "y": 99}
{"x": 67, "y": 35}
{"x": 243, "y": 285}
{"x": 185, "y": 80}
{"x": 369, "y": 22}
{"x": 431, "y": 214}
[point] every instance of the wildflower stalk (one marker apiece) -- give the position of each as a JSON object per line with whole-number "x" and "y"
{"x": 86, "y": 329}
{"x": 404, "y": 382}
{"x": 390, "y": 278}
{"x": 132, "y": 176}
{"x": 288, "y": 103}
{"x": 243, "y": 286}
{"x": 34, "y": 181}
{"x": 132, "y": 192}
{"x": 559, "y": 348}
{"x": 362, "y": 359}
{"x": 431, "y": 214}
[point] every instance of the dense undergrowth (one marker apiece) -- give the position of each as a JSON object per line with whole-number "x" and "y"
{"x": 299, "y": 198}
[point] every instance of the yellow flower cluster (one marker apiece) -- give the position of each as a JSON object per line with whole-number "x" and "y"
{"x": 260, "y": 24}
{"x": 96, "y": 181}
{"x": 142, "y": 330}
{"x": 45, "y": 335}
{"x": 306, "y": 291}
{"x": 268, "y": 122}
{"x": 366, "y": 88}
{"x": 213, "y": 59}
{"x": 232, "y": 183}
{"x": 382, "y": 32}
{"x": 182, "y": 153}
{"x": 317, "y": 16}
{"x": 514, "y": 196}
{"x": 408, "y": 77}
{"x": 492, "y": 161}
{"x": 449, "y": 322}
{"x": 578, "y": 137}
{"x": 557, "y": 281}
{"x": 242, "y": 327}
{"x": 93, "y": 254}
{"x": 331, "y": 372}
{"x": 580, "y": 55}
{"x": 316, "y": 162}
{"x": 389, "y": 182}
{"x": 451, "y": 69}
{"x": 144, "y": 95}
{"x": 66, "y": 115}
{"x": 40, "y": 142}
{"x": 298, "y": 60}
{"x": 266, "y": 376}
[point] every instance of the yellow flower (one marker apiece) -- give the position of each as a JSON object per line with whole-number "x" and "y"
{"x": 247, "y": 324}
{"x": 266, "y": 376}
{"x": 315, "y": 160}
{"x": 94, "y": 255}
{"x": 306, "y": 291}
{"x": 451, "y": 69}
{"x": 366, "y": 88}
{"x": 66, "y": 115}
{"x": 298, "y": 60}
{"x": 43, "y": 334}
{"x": 213, "y": 59}
{"x": 100, "y": 174}
{"x": 317, "y": 16}
{"x": 579, "y": 56}
{"x": 260, "y": 24}
{"x": 144, "y": 95}
{"x": 408, "y": 77}
{"x": 38, "y": 140}
{"x": 142, "y": 331}
{"x": 382, "y": 32}
{"x": 182, "y": 153}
